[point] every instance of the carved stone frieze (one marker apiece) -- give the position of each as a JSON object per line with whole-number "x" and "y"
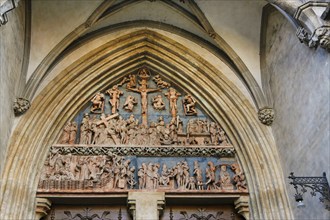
{"x": 20, "y": 106}
{"x": 320, "y": 37}
{"x": 68, "y": 171}
{"x": 175, "y": 151}
{"x": 266, "y": 116}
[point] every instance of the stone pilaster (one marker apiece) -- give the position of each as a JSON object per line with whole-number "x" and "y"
{"x": 42, "y": 207}
{"x": 146, "y": 205}
{"x": 242, "y": 206}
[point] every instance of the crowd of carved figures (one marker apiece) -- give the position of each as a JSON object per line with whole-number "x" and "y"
{"x": 98, "y": 128}
{"x": 69, "y": 172}
{"x": 113, "y": 129}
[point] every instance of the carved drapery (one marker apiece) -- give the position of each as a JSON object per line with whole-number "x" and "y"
{"x": 127, "y": 146}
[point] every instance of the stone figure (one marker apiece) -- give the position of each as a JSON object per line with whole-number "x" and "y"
{"x": 65, "y": 136}
{"x": 191, "y": 183}
{"x": 165, "y": 176}
{"x": 73, "y": 132}
{"x": 155, "y": 175}
{"x": 189, "y": 105}
{"x": 172, "y": 95}
{"x": 82, "y": 169}
{"x": 173, "y": 131}
{"x": 100, "y": 135}
{"x": 179, "y": 124}
{"x": 114, "y": 94}
{"x": 179, "y": 176}
{"x": 160, "y": 83}
{"x": 213, "y": 133}
{"x": 198, "y": 175}
{"x": 153, "y": 135}
{"x": 158, "y": 103}
{"x": 129, "y": 103}
{"x": 144, "y": 90}
{"x": 223, "y": 139}
{"x": 131, "y": 177}
{"x": 86, "y": 130}
{"x": 142, "y": 172}
{"x": 210, "y": 176}
{"x": 98, "y": 103}
{"x": 131, "y": 81}
{"x": 239, "y": 177}
{"x": 225, "y": 179}
{"x": 186, "y": 175}
{"x": 149, "y": 178}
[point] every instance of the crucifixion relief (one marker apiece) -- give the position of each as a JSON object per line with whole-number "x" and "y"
{"x": 144, "y": 90}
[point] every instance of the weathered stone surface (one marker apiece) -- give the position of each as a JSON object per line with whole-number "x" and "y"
{"x": 12, "y": 77}
{"x": 299, "y": 83}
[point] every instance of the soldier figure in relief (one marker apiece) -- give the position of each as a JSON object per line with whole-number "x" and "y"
{"x": 98, "y": 103}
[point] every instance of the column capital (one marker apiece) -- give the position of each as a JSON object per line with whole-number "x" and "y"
{"x": 42, "y": 207}
{"x": 242, "y": 206}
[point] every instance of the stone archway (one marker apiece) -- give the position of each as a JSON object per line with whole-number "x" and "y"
{"x": 62, "y": 97}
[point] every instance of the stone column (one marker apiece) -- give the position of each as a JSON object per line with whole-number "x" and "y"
{"x": 146, "y": 205}
{"x": 42, "y": 207}
{"x": 242, "y": 206}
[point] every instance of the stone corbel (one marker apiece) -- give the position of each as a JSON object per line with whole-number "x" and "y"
{"x": 242, "y": 206}
{"x": 314, "y": 30}
{"x": 320, "y": 37}
{"x": 131, "y": 203}
{"x": 20, "y": 106}
{"x": 42, "y": 207}
{"x": 266, "y": 115}
{"x": 5, "y": 7}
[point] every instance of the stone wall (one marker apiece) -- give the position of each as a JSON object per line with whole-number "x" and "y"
{"x": 12, "y": 37}
{"x": 298, "y": 81}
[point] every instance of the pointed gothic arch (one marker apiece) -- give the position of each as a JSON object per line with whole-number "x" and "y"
{"x": 63, "y": 96}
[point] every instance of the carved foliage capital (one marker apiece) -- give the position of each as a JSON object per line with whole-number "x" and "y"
{"x": 266, "y": 115}
{"x": 21, "y": 105}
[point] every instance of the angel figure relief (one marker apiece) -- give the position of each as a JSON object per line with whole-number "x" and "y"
{"x": 129, "y": 103}
{"x": 158, "y": 103}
